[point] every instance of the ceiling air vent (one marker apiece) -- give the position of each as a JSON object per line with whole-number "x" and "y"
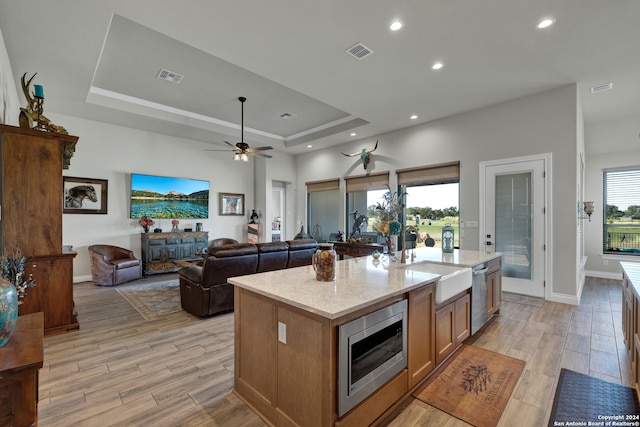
{"x": 287, "y": 116}
{"x": 602, "y": 87}
{"x": 170, "y": 76}
{"x": 359, "y": 51}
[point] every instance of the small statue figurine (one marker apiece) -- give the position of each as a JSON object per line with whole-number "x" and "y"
{"x": 254, "y": 217}
{"x": 340, "y": 236}
{"x": 174, "y": 225}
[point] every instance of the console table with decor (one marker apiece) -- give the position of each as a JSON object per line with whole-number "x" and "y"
{"x": 20, "y": 360}
{"x": 167, "y": 252}
{"x": 356, "y": 249}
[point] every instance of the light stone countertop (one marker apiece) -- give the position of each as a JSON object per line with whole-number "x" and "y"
{"x": 633, "y": 271}
{"x": 359, "y": 281}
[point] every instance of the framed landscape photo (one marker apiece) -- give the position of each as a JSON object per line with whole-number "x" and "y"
{"x": 231, "y": 204}
{"x": 84, "y": 195}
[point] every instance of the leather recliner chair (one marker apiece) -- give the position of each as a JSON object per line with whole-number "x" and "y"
{"x": 112, "y": 265}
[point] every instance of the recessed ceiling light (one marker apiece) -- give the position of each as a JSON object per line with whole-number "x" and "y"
{"x": 396, "y": 25}
{"x": 545, "y": 23}
{"x": 437, "y": 65}
{"x": 309, "y": 146}
{"x": 353, "y": 134}
{"x": 413, "y": 117}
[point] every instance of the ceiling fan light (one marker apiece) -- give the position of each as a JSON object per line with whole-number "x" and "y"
{"x": 236, "y": 156}
{"x": 244, "y": 157}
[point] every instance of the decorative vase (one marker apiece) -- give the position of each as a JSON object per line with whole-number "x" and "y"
{"x": 8, "y": 310}
{"x": 394, "y": 243}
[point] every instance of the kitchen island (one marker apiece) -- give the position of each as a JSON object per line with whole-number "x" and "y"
{"x": 287, "y": 326}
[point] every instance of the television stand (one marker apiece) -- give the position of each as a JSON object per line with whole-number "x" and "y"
{"x": 167, "y": 252}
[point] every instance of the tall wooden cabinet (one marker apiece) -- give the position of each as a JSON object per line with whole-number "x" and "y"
{"x": 31, "y": 219}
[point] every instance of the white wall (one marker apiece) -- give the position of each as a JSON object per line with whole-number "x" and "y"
{"x": 541, "y": 123}
{"x": 9, "y": 104}
{"x": 111, "y": 152}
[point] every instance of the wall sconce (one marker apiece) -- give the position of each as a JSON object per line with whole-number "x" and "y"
{"x": 588, "y": 209}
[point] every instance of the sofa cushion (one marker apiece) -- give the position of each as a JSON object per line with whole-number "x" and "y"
{"x": 301, "y": 252}
{"x": 272, "y": 256}
{"x": 233, "y": 250}
{"x": 124, "y": 263}
{"x": 229, "y": 261}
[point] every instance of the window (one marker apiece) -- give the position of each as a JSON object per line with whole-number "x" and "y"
{"x": 621, "y": 219}
{"x": 432, "y": 200}
{"x": 323, "y": 205}
{"x": 362, "y": 192}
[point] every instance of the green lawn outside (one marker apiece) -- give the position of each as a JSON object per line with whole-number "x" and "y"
{"x": 434, "y": 230}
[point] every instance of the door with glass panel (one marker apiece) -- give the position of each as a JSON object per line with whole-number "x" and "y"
{"x": 514, "y": 222}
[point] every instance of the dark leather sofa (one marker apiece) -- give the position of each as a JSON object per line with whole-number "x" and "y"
{"x": 204, "y": 290}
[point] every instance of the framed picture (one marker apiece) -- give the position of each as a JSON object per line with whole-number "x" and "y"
{"x": 84, "y": 195}
{"x": 231, "y": 204}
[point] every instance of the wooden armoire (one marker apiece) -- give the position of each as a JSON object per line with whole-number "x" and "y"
{"x": 31, "y": 197}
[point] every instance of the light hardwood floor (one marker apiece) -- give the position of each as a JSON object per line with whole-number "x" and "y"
{"x": 177, "y": 370}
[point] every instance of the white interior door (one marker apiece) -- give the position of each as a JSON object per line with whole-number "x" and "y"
{"x": 514, "y": 222}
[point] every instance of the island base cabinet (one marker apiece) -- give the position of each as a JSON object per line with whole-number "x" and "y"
{"x": 282, "y": 362}
{"x": 453, "y": 325}
{"x": 421, "y": 334}
{"x": 286, "y": 365}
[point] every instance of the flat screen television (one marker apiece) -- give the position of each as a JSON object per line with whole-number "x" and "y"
{"x": 168, "y": 197}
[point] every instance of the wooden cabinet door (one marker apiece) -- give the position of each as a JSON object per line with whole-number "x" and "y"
{"x": 462, "y": 318}
{"x": 445, "y": 334}
{"x": 421, "y": 333}
{"x": 494, "y": 292}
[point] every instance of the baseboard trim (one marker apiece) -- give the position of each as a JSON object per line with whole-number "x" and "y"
{"x": 564, "y": 299}
{"x": 85, "y": 278}
{"x": 603, "y": 274}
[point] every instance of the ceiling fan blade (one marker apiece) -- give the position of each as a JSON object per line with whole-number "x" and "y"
{"x": 224, "y": 149}
{"x": 263, "y": 155}
{"x": 249, "y": 150}
{"x": 231, "y": 145}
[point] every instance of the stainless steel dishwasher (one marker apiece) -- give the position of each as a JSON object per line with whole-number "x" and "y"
{"x": 479, "y": 309}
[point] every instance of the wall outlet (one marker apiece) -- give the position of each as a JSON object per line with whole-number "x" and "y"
{"x": 282, "y": 332}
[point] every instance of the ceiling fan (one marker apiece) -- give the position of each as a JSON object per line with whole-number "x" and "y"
{"x": 241, "y": 149}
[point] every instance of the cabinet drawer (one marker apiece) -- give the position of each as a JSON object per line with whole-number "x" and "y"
{"x": 188, "y": 240}
{"x": 156, "y": 242}
{"x": 172, "y": 241}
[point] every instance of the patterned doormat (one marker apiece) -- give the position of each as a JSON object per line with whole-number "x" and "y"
{"x": 586, "y": 400}
{"x": 153, "y": 299}
{"x": 474, "y": 385}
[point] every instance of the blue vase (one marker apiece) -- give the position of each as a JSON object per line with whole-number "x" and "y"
{"x": 8, "y": 311}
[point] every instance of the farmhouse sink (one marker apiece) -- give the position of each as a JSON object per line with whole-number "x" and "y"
{"x": 453, "y": 279}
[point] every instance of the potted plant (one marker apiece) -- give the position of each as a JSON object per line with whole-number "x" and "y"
{"x": 13, "y": 287}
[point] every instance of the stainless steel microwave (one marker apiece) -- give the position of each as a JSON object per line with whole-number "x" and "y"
{"x": 371, "y": 350}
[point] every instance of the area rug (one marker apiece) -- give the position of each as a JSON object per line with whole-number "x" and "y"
{"x": 474, "y": 385}
{"x": 587, "y": 400}
{"x": 153, "y": 299}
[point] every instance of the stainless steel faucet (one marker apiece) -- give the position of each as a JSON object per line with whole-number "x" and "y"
{"x": 403, "y": 258}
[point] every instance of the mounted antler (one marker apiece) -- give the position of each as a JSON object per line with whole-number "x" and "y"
{"x": 364, "y": 155}
{"x": 33, "y": 111}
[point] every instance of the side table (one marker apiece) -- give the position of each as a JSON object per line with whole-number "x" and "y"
{"x": 20, "y": 360}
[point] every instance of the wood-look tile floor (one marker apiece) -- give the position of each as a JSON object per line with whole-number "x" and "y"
{"x": 177, "y": 370}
